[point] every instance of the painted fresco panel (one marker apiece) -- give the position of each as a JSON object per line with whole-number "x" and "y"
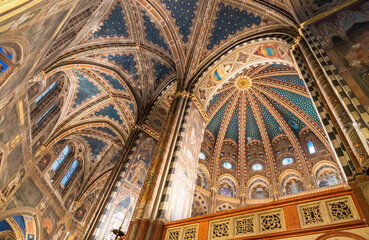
{"x": 186, "y": 168}
{"x": 121, "y": 209}
{"x": 13, "y": 162}
{"x": 49, "y": 222}
{"x": 136, "y": 172}
{"x": 28, "y": 194}
{"x": 9, "y": 124}
{"x": 351, "y": 58}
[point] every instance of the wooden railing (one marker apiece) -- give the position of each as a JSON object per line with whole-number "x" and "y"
{"x": 308, "y": 214}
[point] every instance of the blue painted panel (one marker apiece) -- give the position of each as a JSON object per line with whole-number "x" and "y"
{"x": 110, "y": 112}
{"x": 4, "y": 226}
{"x": 127, "y": 62}
{"x": 252, "y": 130}
{"x": 229, "y": 21}
{"x": 183, "y": 12}
{"x": 161, "y": 70}
{"x": 21, "y": 223}
{"x": 152, "y": 33}
{"x": 114, "y": 25}
{"x": 86, "y": 90}
{"x": 272, "y": 126}
{"x": 215, "y": 122}
{"x": 303, "y": 103}
{"x": 96, "y": 145}
{"x": 113, "y": 81}
{"x": 232, "y": 130}
{"x": 294, "y": 79}
{"x": 107, "y": 131}
{"x": 294, "y": 122}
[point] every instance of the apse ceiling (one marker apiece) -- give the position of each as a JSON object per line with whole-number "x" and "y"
{"x": 254, "y": 93}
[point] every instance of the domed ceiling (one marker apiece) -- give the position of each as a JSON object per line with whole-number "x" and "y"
{"x": 268, "y": 99}
{"x": 254, "y": 93}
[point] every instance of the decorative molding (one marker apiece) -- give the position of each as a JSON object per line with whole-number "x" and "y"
{"x": 148, "y": 130}
{"x": 187, "y": 232}
{"x": 262, "y": 222}
{"x": 329, "y": 211}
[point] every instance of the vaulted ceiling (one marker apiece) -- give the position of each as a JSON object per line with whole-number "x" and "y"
{"x": 131, "y": 56}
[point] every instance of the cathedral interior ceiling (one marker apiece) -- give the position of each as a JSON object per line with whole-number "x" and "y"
{"x": 126, "y": 60}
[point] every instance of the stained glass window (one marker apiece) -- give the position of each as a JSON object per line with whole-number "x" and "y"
{"x": 3, "y": 65}
{"x": 227, "y": 165}
{"x": 61, "y": 158}
{"x": 311, "y": 147}
{"x": 257, "y": 167}
{"x": 70, "y": 172}
{"x": 46, "y": 92}
{"x": 202, "y": 156}
{"x": 44, "y": 115}
{"x": 287, "y": 161}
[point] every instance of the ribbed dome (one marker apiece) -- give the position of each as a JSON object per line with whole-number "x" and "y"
{"x": 269, "y": 99}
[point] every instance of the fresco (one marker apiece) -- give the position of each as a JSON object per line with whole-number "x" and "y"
{"x": 9, "y": 118}
{"x": 49, "y": 222}
{"x": 186, "y": 167}
{"x": 12, "y": 164}
{"x": 351, "y": 58}
{"x": 28, "y": 194}
{"x": 140, "y": 161}
{"x": 120, "y": 213}
{"x": 122, "y": 207}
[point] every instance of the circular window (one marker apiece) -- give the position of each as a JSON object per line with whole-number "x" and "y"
{"x": 227, "y": 165}
{"x": 287, "y": 161}
{"x": 257, "y": 167}
{"x": 202, "y": 156}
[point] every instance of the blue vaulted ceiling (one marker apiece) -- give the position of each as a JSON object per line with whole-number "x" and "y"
{"x": 183, "y": 12}
{"x": 152, "y": 33}
{"x": 229, "y": 21}
{"x": 86, "y": 89}
{"x": 263, "y": 105}
{"x": 114, "y": 25}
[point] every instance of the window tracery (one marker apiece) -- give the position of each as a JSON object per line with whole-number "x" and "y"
{"x": 258, "y": 189}
{"x": 227, "y": 187}
{"x": 291, "y": 184}
{"x": 7, "y": 62}
{"x": 327, "y": 175}
{"x": 61, "y": 158}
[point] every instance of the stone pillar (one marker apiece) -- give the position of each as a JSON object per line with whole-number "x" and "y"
{"x": 110, "y": 190}
{"x": 144, "y": 213}
{"x": 352, "y": 119}
{"x": 336, "y": 120}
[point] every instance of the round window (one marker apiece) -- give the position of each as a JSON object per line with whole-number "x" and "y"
{"x": 287, "y": 161}
{"x": 257, "y": 167}
{"x": 202, "y": 156}
{"x": 227, "y": 165}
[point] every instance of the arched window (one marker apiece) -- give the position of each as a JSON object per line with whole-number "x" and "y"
{"x": 45, "y": 114}
{"x": 311, "y": 147}
{"x": 226, "y": 191}
{"x": 39, "y": 98}
{"x": 61, "y": 158}
{"x": 287, "y": 161}
{"x": 227, "y": 165}
{"x": 259, "y": 191}
{"x": 257, "y": 167}
{"x": 327, "y": 175}
{"x": 69, "y": 174}
{"x": 293, "y": 186}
